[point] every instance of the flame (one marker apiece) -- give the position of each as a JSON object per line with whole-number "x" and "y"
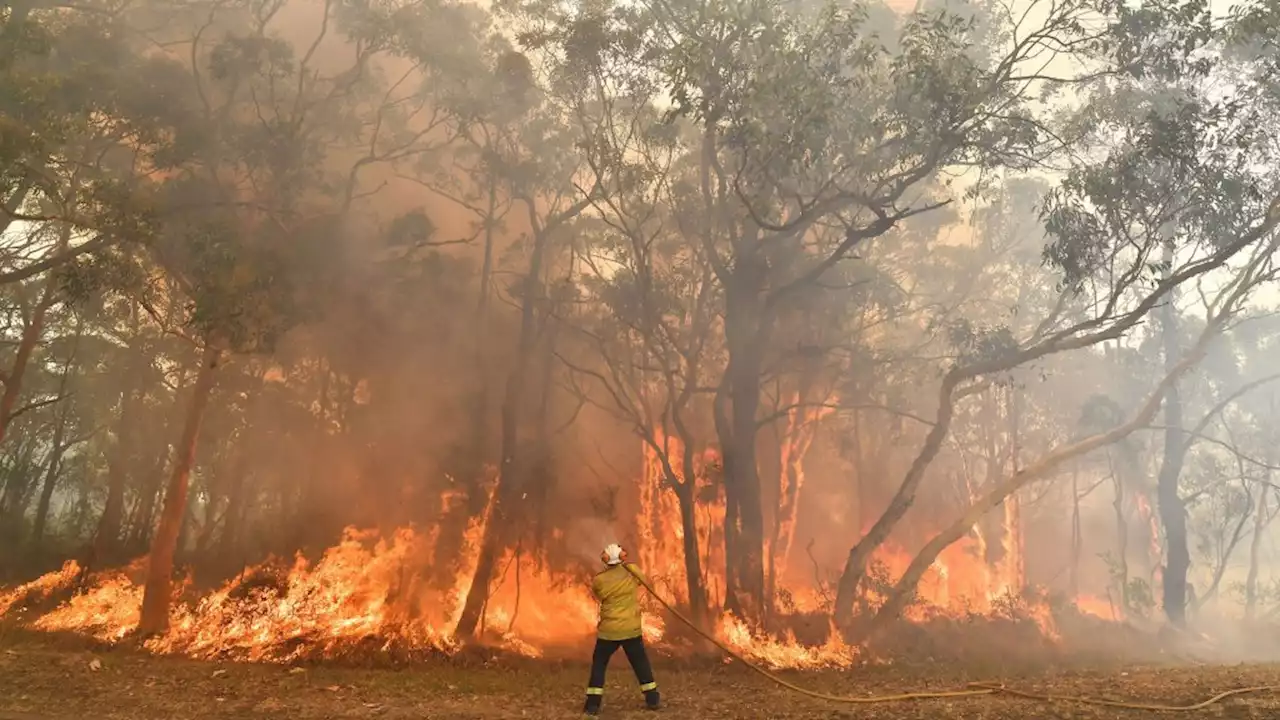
{"x": 1097, "y": 607}
{"x": 19, "y": 598}
{"x": 1148, "y": 516}
{"x": 802, "y": 425}
{"x": 371, "y": 592}
{"x": 108, "y": 612}
{"x": 787, "y": 652}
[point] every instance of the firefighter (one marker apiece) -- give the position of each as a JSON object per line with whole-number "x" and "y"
{"x": 617, "y": 590}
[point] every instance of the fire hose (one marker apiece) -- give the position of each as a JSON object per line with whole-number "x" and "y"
{"x": 973, "y": 689}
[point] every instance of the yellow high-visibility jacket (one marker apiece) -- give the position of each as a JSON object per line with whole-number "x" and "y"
{"x": 618, "y": 590}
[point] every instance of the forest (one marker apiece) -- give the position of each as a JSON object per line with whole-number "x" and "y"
{"x": 330, "y": 322}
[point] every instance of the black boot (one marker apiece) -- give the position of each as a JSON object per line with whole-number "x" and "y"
{"x": 592, "y": 706}
{"x": 652, "y": 700}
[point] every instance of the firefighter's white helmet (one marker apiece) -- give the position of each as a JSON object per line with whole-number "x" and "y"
{"x": 613, "y": 554}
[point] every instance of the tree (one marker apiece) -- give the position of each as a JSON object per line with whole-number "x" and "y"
{"x": 272, "y": 143}
{"x": 810, "y": 125}
{"x": 1178, "y": 176}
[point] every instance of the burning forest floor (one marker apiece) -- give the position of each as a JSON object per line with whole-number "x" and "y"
{"x": 43, "y": 678}
{"x": 353, "y": 634}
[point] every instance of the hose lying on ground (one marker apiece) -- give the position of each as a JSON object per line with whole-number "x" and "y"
{"x": 973, "y": 689}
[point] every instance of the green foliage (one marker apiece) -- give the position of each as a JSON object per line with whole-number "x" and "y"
{"x": 412, "y": 228}
{"x": 1179, "y": 158}
{"x": 1138, "y": 598}
{"x": 241, "y": 294}
{"x": 977, "y": 345}
{"x": 89, "y": 280}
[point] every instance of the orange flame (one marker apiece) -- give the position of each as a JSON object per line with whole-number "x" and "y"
{"x": 370, "y": 591}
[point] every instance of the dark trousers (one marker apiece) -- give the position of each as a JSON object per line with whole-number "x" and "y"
{"x": 636, "y": 655}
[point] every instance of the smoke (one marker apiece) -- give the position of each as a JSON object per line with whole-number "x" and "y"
{"x": 585, "y": 537}
{"x": 382, "y": 407}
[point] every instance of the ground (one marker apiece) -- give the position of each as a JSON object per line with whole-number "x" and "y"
{"x": 40, "y": 680}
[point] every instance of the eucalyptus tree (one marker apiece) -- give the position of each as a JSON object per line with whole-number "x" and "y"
{"x": 1166, "y": 161}
{"x": 806, "y": 134}
{"x": 270, "y": 173}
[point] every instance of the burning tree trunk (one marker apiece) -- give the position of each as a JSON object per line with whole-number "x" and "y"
{"x": 982, "y": 545}
{"x": 802, "y": 428}
{"x": 498, "y": 530}
{"x": 157, "y": 591}
{"x": 687, "y": 491}
{"x": 660, "y": 474}
{"x": 511, "y": 473}
{"x": 685, "y": 494}
{"x": 475, "y": 499}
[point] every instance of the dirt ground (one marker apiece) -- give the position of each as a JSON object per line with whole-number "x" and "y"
{"x": 40, "y": 680}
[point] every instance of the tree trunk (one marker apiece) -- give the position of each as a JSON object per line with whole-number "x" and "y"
{"x": 148, "y": 499}
{"x": 55, "y": 460}
{"x": 158, "y": 590}
{"x": 686, "y": 495}
{"x": 1121, "y": 571}
{"x": 1015, "y": 543}
{"x": 905, "y": 588}
{"x": 1173, "y": 512}
{"x": 499, "y": 529}
{"x": 802, "y": 428}
{"x": 19, "y": 10}
{"x": 13, "y": 203}
{"x": 744, "y": 530}
{"x": 1195, "y": 603}
{"x": 1255, "y": 552}
{"x": 474, "y": 498}
{"x": 107, "y": 536}
{"x": 50, "y": 483}
{"x": 856, "y": 564}
{"x": 17, "y": 489}
{"x": 233, "y": 518}
{"x": 1077, "y": 539}
{"x": 32, "y": 330}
